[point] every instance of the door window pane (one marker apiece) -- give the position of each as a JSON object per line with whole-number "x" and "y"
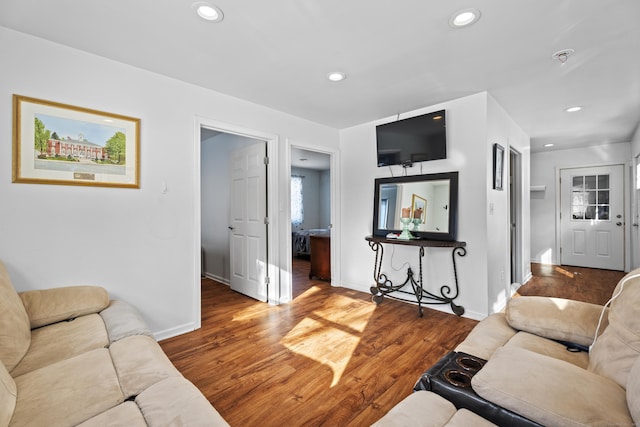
{"x": 590, "y": 198}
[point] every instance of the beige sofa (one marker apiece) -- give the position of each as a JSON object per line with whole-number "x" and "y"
{"x": 531, "y": 371}
{"x": 72, "y": 357}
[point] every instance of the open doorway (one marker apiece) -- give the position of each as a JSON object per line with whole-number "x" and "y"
{"x": 215, "y": 142}
{"x": 515, "y": 218}
{"x": 311, "y": 218}
{"x": 233, "y": 210}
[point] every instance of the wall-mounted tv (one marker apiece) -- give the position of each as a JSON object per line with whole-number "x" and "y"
{"x": 416, "y": 139}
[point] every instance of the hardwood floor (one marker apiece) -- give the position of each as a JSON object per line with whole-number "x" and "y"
{"x": 578, "y": 283}
{"x": 329, "y": 358}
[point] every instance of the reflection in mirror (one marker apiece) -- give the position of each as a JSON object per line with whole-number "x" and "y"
{"x": 429, "y": 201}
{"x": 426, "y": 202}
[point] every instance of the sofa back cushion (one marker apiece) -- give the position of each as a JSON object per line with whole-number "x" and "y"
{"x": 8, "y": 396}
{"x": 15, "y": 330}
{"x": 618, "y": 347}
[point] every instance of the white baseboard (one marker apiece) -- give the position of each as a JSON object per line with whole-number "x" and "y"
{"x": 222, "y": 280}
{"x": 175, "y": 331}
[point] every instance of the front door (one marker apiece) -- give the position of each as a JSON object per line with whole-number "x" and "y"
{"x": 248, "y": 237}
{"x": 592, "y": 217}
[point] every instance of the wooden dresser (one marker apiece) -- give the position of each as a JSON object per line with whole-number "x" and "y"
{"x": 320, "y": 257}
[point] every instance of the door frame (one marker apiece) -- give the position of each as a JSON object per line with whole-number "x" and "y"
{"x": 334, "y": 171}
{"x": 626, "y": 198}
{"x": 634, "y": 218}
{"x": 273, "y": 201}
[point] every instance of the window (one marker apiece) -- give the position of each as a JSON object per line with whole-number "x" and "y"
{"x": 590, "y": 197}
{"x": 297, "y": 210}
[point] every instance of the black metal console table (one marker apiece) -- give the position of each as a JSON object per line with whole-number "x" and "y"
{"x": 384, "y": 287}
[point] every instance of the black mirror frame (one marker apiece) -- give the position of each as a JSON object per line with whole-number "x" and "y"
{"x": 428, "y": 235}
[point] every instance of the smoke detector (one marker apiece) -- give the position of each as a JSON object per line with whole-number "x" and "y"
{"x": 563, "y": 55}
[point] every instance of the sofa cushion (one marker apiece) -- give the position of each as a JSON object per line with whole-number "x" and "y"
{"x": 125, "y": 414}
{"x": 123, "y": 320}
{"x": 177, "y": 402}
{"x": 618, "y": 347}
{"x": 487, "y": 336}
{"x": 68, "y": 392}
{"x": 549, "y": 348}
{"x": 555, "y": 318}
{"x": 549, "y": 391}
{"x": 427, "y": 409}
{"x": 633, "y": 391}
{"x": 48, "y": 306}
{"x": 466, "y": 418}
{"x": 63, "y": 340}
{"x": 15, "y": 331}
{"x": 8, "y": 393}
{"x": 140, "y": 363}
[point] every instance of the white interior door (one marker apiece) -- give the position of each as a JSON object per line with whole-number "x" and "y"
{"x": 248, "y": 237}
{"x": 592, "y": 217}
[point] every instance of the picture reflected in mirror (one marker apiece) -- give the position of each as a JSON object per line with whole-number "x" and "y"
{"x": 427, "y": 202}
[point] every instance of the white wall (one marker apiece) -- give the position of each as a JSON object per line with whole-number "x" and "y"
{"x": 145, "y": 248}
{"x": 503, "y": 130}
{"x": 325, "y": 198}
{"x": 544, "y": 167}
{"x": 473, "y": 124}
{"x": 466, "y": 131}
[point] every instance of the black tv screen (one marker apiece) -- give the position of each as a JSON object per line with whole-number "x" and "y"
{"x": 416, "y": 139}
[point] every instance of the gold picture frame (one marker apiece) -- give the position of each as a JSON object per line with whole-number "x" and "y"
{"x": 62, "y": 144}
{"x": 418, "y": 202}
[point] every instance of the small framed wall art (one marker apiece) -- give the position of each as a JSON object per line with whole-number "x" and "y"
{"x": 498, "y": 166}
{"x": 55, "y": 143}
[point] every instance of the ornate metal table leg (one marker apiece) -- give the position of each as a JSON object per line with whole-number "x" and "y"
{"x": 457, "y": 309}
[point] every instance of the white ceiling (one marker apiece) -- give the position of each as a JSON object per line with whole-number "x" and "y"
{"x": 398, "y": 56}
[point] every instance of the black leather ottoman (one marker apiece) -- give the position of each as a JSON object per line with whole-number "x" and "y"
{"x": 451, "y": 377}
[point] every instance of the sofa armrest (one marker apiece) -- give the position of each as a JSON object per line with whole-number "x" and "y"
{"x": 550, "y": 391}
{"x": 48, "y": 306}
{"x": 123, "y": 320}
{"x": 556, "y": 318}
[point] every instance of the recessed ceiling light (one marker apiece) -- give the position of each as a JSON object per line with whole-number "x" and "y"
{"x": 548, "y": 145}
{"x": 336, "y": 76}
{"x": 573, "y": 109}
{"x": 208, "y": 11}
{"x": 463, "y": 18}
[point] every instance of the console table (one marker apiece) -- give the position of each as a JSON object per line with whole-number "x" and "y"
{"x": 384, "y": 287}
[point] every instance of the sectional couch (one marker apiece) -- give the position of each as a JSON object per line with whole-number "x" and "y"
{"x": 549, "y": 362}
{"x": 70, "y": 356}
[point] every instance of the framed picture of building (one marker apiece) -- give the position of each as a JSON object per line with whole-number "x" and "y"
{"x": 55, "y": 143}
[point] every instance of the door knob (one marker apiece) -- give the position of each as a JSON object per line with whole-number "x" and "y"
{"x": 618, "y": 223}
{"x": 231, "y": 228}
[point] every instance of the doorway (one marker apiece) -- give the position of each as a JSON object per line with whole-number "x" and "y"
{"x": 213, "y": 186}
{"x": 592, "y": 217}
{"x": 515, "y": 215}
{"x": 312, "y": 209}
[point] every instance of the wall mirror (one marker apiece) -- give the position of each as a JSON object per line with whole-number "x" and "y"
{"x": 431, "y": 201}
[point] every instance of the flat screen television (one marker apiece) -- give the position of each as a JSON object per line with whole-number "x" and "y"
{"x": 416, "y": 139}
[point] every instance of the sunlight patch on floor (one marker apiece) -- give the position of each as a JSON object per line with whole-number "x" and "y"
{"x": 330, "y": 336}
{"x": 565, "y": 272}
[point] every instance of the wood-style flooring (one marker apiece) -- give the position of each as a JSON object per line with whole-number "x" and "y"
{"x": 331, "y": 357}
